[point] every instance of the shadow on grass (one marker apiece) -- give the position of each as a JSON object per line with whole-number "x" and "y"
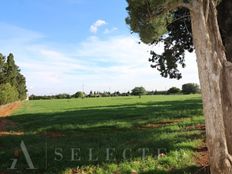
{"x": 99, "y": 128}
{"x": 109, "y": 116}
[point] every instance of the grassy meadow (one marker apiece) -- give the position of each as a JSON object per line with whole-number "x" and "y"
{"x": 116, "y": 130}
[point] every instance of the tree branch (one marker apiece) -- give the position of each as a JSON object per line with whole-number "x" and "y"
{"x": 180, "y": 18}
{"x": 173, "y": 6}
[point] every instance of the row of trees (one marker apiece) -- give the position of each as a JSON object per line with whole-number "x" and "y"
{"x": 80, "y": 94}
{"x": 12, "y": 82}
{"x": 189, "y": 88}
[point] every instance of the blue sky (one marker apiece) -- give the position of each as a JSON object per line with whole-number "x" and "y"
{"x": 63, "y": 45}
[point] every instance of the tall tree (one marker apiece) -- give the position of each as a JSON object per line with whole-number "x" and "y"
{"x": 8, "y": 93}
{"x": 12, "y": 70}
{"x": 2, "y": 69}
{"x": 139, "y": 91}
{"x": 153, "y": 20}
{"x": 15, "y": 78}
{"x": 21, "y": 86}
{"x": 10, "y": 76}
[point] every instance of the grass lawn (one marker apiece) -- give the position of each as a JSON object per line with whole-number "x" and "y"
{"x": 115, "y": 131}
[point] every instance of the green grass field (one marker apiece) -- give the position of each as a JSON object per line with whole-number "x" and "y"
{"x": 123, "y": 125}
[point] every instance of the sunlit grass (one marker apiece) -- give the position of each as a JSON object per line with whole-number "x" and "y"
{"x": 153, "y": 122}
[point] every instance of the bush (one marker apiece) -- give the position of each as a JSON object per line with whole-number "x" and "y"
{"x": 190, "y": 88}
{"x": 79, "y": 94}
{"x": 173, "y": 90}
{"x": 8, "y": 94}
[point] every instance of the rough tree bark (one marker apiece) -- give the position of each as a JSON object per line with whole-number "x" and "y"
{"x": 215, "y": 73}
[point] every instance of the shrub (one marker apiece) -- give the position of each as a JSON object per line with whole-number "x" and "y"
{"x": 8, "y": 94}
{"x": 190, "y": 88}
{"x": 79, "y": 94}
{"x": 173, "y": 90}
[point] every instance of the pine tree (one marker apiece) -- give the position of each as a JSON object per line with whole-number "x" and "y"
{"x": 2, "y": 69}
{"x": 12, "y": 70}
{"x": 11, "y": 81}
{"x": 21, "y": 86}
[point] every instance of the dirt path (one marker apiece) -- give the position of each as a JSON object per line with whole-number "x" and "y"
{"x": 6, "y": 110}
{"x": 201, "y": 157}
{"x": 6, "y": 124}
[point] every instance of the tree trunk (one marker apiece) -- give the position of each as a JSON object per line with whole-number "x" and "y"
{"x": 215, "y": 74}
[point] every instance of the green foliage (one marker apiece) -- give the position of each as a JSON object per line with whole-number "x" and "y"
{"x": 154, "y": 23}
{"x": 79, "y": 94}
{"x": 62, "y": 96}
{"x": 175, "y": 34}
{"x": 173, "y": 90}
{"x": 147, "y": 18}
{"x": 8, "y": 93}
{"x": 150, "y": 18}
{"x": 2, "y": 69}
{"x": 10, "y": 77}
{"x": 21, "y": 86}
{"x": 138, "y": 91}
{"x": 49, "y": 97}
{"x": 190, "y": 88}
{"x": 176, "y": 42}
{"x": 12, "y": 70}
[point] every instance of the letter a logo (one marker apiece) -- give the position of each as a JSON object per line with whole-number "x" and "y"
{"x": 27, "y": 157}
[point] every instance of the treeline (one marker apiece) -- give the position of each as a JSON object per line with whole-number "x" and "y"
{"x": 189, "y": 88}
{"x": 12, "y": 82}
{"x": 79, "y": 94}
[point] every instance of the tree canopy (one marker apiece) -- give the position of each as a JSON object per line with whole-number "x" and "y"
{"x": 138, "y": 91}
{"x": 158, "y": 21}
{"x": 12, "y": 82}
{"x": 173, "y": 90}
{"x": 79, "y": 94}
{"x": 190, "y": 88}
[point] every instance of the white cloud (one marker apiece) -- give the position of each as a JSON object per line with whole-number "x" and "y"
{"x": 50, "y": 53}
{"x": 128, "y": 64}
{"x": 117, "y": 62}
{"x": 94, "y": 27}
